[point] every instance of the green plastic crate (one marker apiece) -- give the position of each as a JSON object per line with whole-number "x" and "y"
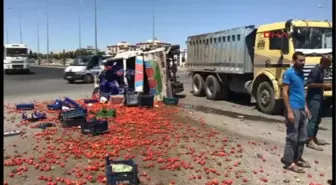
{"x": 170, "y": 101}
{"x": 107, "y": 113}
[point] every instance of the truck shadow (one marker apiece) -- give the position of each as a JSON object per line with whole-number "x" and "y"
{"x": 244, "y": 100}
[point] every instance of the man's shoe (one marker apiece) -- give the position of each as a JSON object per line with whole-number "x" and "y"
{"x": 314, "y": 146}
{"x": 302, "y": 163}
{"x": 321, "y": 142}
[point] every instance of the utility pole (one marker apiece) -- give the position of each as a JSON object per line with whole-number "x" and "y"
{"x": 7, "y": 34}
{"x": 95, "y": 12}
{"x": 38, "y": 41}
{"x": 47, "y": 16}
{"x": 79, "y": 25}
{"x": 47, "y": 38}
{"x": 153, "y": 26}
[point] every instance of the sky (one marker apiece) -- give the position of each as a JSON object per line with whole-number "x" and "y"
{"x": 132, "y": 20}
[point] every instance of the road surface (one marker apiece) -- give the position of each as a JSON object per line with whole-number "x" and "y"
{"x": 41, "y": 80}
{"x": 239, "y": 122}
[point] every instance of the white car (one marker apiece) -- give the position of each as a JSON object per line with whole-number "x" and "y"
{"x": 84, "y": 68}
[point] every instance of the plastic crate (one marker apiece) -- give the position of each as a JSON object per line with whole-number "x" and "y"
{"x": 87, "y": 101}
{"x": 131, "y": 99}
{"x": 146, "y": 100}
{"x": 72, "y": 118}
{"x": 54, "y": 106}
{"x": 34, "y": 116}
{"x": 116, "y": 99}
{"x": 94, "y": 127}
{"x": 25, "y": 106}
{"x": 72, "y": 102}
{"x": 106, "y": 113}
{"x": 170, "y": 101}
{"x": 122, "y": 177}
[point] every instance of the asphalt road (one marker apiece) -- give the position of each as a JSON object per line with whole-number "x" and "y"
{"x": 41, "y": 80}
{"x": 44, "y": 80}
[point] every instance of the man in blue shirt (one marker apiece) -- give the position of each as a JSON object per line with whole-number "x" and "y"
{"x": 293, "y": 94}
{"x": 316, "y": 87}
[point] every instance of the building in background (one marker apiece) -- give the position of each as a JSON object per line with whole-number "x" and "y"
{"x": 89, "y": 49}
{"x": 183, "y": 57}
{"x": 152, "y": 45}
{"x": 120, "y": 47}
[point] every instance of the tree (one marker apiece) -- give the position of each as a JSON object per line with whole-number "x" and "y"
{"x": 101, "y": 52}
{"x": 30, "y": 54}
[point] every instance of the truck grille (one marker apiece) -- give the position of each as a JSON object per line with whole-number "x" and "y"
{"x": 327, "y": 74}
{"x": 69, "y": 74}
{"x": 17, "y": 62}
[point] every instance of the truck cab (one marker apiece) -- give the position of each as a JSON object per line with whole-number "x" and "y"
{"x": 273, "y": 55}
{"x": 16, "y": 58}
{"x": 251, "y": 60}
{"x": 84, "y": 68}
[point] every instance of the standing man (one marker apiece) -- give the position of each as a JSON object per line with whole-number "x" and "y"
{"x": 293, "y": 94}
{"x": 316, "y": 87}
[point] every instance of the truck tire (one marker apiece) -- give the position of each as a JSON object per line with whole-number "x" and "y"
{"x": 88, "y": 78}
{"x": 266, "y": 102}
{"x": 212, "y": 88}
{"x": 198, "y": 85}
{"x": 327, "y": 103}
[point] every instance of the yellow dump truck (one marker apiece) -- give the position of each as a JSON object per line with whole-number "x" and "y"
{"x": 252, "y": 59}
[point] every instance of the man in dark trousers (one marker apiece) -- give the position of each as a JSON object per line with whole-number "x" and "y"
{"x": 316, "y": 87}
{"x": 293, "y": 94}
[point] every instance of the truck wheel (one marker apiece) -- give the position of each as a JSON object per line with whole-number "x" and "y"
{"x": 88, "y": 78}
{"x": 198, "y": 85}
{"x": 266, "y": 102}
{"x": 212, "y": 88}
{"x": 327, "y": 103}
{"x": 6, "y": 72}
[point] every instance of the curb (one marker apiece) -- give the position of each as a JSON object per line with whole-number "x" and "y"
{"x": 48, "y": 66}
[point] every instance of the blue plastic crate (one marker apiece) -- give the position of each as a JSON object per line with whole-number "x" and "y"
{"x": 122, "y": 177}
{"x": 54, "y": 106}
{"x": 25, "y": 106}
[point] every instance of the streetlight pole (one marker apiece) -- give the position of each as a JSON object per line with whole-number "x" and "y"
{"x": 7, "y": 34}
{"x": 153, "y": 26}
{"x": 47, "y": 37}
{"x": 38, "y": 41}
{"x": 79, "y": 26}
{"x": 20, "y": 19}
{"x": 95, "y": 12}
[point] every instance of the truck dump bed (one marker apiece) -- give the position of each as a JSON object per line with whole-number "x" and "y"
{"x": 227, "y": 51}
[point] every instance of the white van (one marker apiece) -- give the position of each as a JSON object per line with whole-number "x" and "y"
{"x": 84, "y": 68}
{"x": 16, "y": 58}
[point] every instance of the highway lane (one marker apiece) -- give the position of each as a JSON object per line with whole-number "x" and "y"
{"x": 41, "y": 80}
{"x": 48, "y": 80}
{"x": 37, "y": 73}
